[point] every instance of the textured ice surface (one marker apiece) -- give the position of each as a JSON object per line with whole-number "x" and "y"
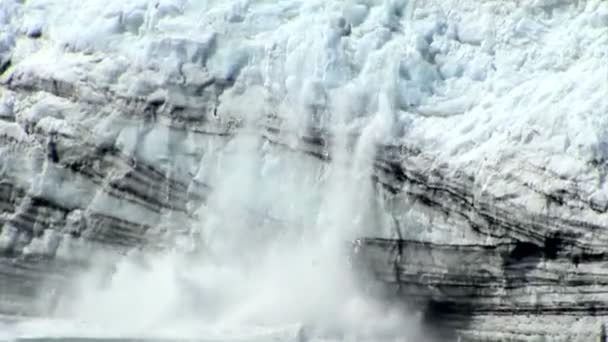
{"x": 475, "y": 83}
{"x": 491, "y": 88}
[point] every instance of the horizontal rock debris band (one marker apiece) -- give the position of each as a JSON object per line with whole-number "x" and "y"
{"x": 470, "y": 290}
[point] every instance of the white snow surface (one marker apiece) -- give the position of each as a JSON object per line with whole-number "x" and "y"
{"x": 474, "y": 83}
{"x": 491, "y": 87}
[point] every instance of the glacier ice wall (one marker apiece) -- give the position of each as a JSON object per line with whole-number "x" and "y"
{"x": 254, "y": 139}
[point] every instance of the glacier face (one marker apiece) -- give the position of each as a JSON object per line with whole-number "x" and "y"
{"x": 254, "y": 139}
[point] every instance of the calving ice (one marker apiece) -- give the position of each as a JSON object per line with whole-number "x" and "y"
{"x": 201, "y": 170}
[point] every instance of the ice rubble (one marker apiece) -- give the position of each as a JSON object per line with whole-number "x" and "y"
{"x": 458, "y": 78}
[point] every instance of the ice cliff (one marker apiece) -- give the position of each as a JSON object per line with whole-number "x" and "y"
{"x": 463, "y": 143}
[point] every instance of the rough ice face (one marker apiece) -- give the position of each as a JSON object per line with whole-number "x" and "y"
{"x": 237, "y": 127}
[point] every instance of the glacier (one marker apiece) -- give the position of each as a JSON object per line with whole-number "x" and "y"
{"x": 304, "y": 170}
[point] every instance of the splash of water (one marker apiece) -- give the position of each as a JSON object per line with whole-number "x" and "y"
{"x": 268, "y": 256}
{"x": 269, "y": 253}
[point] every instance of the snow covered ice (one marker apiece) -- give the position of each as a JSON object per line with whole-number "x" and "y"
{"x": 266, "y": 118}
